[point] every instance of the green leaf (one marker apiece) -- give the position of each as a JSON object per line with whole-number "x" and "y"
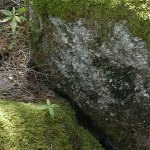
{"x": 54, "y": 105}
{"x": 22, "y": 18}
{"x": 51, "y": 112}
{"x": 13, "y": 11}
{"x": 13, "y": 25}
{"x": 42, "y": 107}
{"x": 6, "y": 19}
{"x": 21, "y": 10}
{"x": 7, "y": 12}
{"x": 48, "y": 102}
{"x": 17, "y": 19}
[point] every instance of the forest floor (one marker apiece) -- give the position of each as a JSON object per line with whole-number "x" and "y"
{"x": 23, "y": 125}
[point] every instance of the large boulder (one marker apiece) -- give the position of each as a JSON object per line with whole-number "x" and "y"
{"x": 101, "y": 64}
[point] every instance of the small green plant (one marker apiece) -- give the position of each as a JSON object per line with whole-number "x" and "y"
{"x": 50, "y": 108}
{"x": 14, "y": 17}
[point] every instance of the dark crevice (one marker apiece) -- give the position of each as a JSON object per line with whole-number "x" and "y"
{"x": 85, "y": 121}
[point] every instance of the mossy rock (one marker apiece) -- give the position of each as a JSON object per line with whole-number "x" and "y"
{"x": 137, "y": 13}
{"x": 95, "y": 52}
{"x": 25, "y": 126}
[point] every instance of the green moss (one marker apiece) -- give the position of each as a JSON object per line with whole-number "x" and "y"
{"x": 137, "y": 13}
{"x": 24, "y": 126}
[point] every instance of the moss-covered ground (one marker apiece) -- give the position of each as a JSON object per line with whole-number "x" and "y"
{"x": 24, "y": 126}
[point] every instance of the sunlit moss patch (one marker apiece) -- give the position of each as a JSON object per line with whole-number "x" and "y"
{"x": 24, "y": 126}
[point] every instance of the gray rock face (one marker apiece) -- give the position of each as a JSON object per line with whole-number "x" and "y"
{"x": 107, "y": 77}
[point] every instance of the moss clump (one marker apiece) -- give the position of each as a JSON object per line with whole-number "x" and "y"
{"x": 24, "y": 126}
{"x": 137, "y": 13}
